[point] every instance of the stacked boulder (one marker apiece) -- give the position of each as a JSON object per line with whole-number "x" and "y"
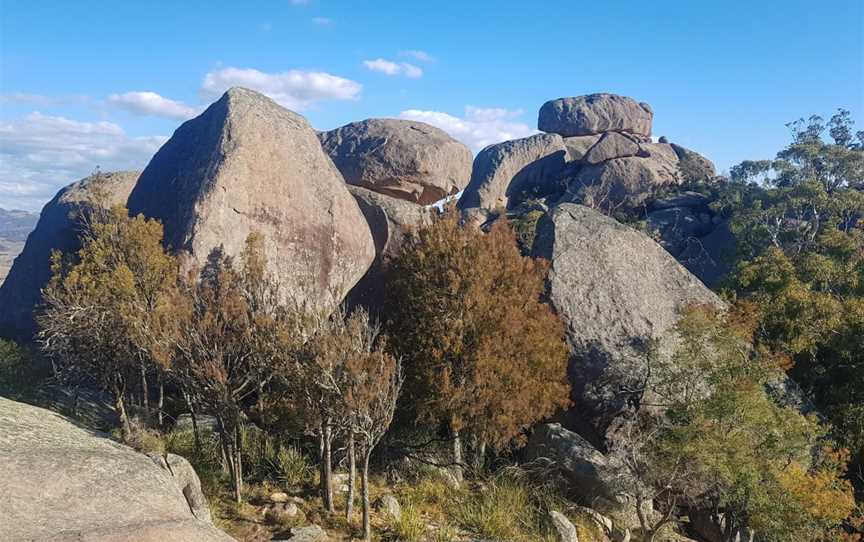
{"x": 597, "y": 150}
{"x": 394, "y": 169}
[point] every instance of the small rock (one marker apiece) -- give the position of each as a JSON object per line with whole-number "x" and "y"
{"x": 282, "y": 512}
{"x": 566, "y": 531}
{"x": 390, "y": 506}
{"x": 279, "y": 496}
{"x": 309, "y": 533}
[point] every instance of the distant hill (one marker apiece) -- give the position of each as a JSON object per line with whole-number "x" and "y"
{"x": 14, "y": 227}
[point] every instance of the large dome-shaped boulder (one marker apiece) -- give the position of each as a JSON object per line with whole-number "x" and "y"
{"x": 617, "y": 291}
{"x": 391, "y": 221}
{"x": 594, "y": 114}
{"x": 249, "y": 165}
{"x": 64, "y": 482}
{"x": 57, "y": 229}
{"x": 405, "y": 159}
{"x": 509, "y": 171}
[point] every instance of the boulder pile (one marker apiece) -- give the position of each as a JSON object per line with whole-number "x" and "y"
{"x": 597, "y": 150}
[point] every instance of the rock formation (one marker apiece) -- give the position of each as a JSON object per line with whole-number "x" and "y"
{"x": 597, "y": 151}
{"x": 595, "y": 114}
{"x": 405, "y": 159}
{"x": 56, "y": 230}
{"x": 63, "y": 482}
{"x": 616, "y": 290}
{"x": 248, "y": 165}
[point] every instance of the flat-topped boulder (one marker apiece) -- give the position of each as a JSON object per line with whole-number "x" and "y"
{"x": 617, "y": 292}
{"x": 507, "y": 171}
{"x": 405, "y": 159}
{"x": 595, "y": 114}
{"x": 63, "y": 482}
{"x": 249, "y": 165}
{"x": 57, "y": 229}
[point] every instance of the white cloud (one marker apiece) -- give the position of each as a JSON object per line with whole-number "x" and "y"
{"x": 422, "y": 56}
{"x": 150, "y": 103}
{"x": 294, "y": 89}
{"x": 388, "y": 67}
{"x": 478, "y": 128}
{"x": 322, "y": 21}
{"x": 39, "y": 154}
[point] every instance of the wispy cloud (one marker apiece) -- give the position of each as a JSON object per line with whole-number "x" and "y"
{"x": 417, "y": 54}
{"x": 39, "y": 154}
{"x": 478, "y": 128}
{"x": 294, "y": 89}
{"x": 322, "y": 21}
{"x": 152, "y": 104}
{"x": 40, "y": 100}
{"x": 391, "y": 68}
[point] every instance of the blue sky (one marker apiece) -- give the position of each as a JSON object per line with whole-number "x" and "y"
{"x": 89, "y": 83}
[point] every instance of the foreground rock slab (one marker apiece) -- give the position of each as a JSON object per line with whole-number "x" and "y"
{"x": 249, "y": 165}
{"x": 62, "y": 482}
{"x": 401, "y": 158}
{"x": 56, "y": 230}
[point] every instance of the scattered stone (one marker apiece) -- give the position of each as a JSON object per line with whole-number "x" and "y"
{"x": 506, "y": 173}
{"x": 283, "y": 512}
{"x": 612, "y": 145}
{"x": 57, "y": 229}
{"x": 565, "y": 530}
{"x": 389, "y": 505}
{"x": 617, "y": 291}
{"x": 309, "y": 533}
{"x": 249, "y": 165}
{"x": 279, "y": 497}
{"x": 594, "y": 114}
{"x": 404, "y": 159}
{"x": 88, "y": 487}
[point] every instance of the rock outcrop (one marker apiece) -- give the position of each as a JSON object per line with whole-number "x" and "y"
{"x": 390, "y": 221}
{"x": 405, "y": 159}
{"x": 63, "y": 482}
{"x": 248, "y": 165}
{"x": 617, "y": 291}
{"x": 57, "y": 229}
{"x": 605, "y": 159}
{"x": 594, "y": 114}
{"x": 504, "y": 172}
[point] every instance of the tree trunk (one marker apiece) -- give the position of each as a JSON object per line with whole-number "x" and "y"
{"x": 457, "y": 456}
{"x": 352, "y": 476}
{"x": 161, "y": 402}
{"x": 480, "y": 456}
{"x": 238, "y": 465}
{"x": 120, "y": 407}
{"x": 145, "y": 397}
{"x": 364, "y": 488}
{"x": 327, "y": 480}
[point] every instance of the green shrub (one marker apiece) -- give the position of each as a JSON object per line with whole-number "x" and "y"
{"x": 292, "y": 466}
{"x": 207, "y": 460}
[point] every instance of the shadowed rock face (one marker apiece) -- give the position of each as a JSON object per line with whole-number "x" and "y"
{"x": 62, "y": 482}
{"x": 56, "y": 230}
{"x": 616, "y": 291}
{"x": 594, "y": 114}
{"x": 248, "y": 165}
{"x": 390, "y": 221}
{"x": 400, "y": 158}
